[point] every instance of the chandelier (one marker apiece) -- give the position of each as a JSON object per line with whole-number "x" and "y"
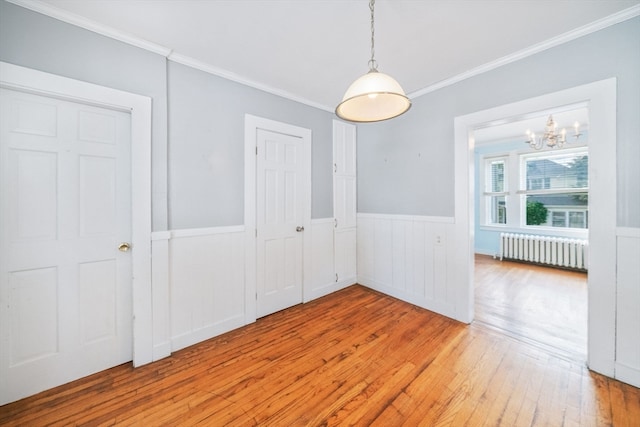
{"x": 375, "y": 96}
{"x": 551, "y": 138}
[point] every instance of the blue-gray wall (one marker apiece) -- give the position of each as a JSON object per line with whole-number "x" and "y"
{"x": 198, "y": 118}
{"x": 33, "y": 40}
{"x": 405, "y": 166}
{"x": 206, "y": 146}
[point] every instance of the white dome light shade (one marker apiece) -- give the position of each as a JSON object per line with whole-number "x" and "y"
{"x": 373, "y": 97}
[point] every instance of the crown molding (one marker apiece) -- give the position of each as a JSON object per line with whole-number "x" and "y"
{"x": 207, "y": 68}
{"x": 82, "y": 22}
{"x": 598, "y": 25}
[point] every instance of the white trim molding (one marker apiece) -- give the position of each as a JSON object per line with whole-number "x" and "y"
{"x": 628, "y": 306}
{"x": 413, "y": 218}
{"x": 206, "y": 283}
{"x": 168, "y": 52}
{"x": 592, "y": 27}
{"x": 82, "y": 22}
{"x": 410, "y": 258}
{"x": 251, "y": 126}
{"x": 51, "y": 85}
{"x": 600, "y": 98}
{"x": 216, "y": 71}
{"x": 195, "y": 232}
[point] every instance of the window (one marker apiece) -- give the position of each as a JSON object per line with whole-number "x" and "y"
{"x": 556, "y": 188}
{"x": 496, "y": 191}
{"x": 553, "y": 189}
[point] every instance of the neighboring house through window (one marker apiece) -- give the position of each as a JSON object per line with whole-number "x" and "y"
{"x": 552, "y": 185}
{"x": 556, "y": 183}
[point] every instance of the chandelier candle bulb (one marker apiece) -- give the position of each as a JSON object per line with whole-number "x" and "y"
{"x": 551, "y": 138}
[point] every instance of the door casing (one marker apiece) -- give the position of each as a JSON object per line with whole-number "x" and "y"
{"x": 251, "y": 126}
{"x": 23, "y": 79}
{"x": 600, "y": 98}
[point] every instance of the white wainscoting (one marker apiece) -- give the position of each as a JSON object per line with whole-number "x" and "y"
{"x": 323, "y": 269}
{"x": 627, "y": 365}
{"x": 408, "y": 257}
{"x": 199, "y": 288}
{"x": 161, "y": 294}
{"x": 206, "y": 283}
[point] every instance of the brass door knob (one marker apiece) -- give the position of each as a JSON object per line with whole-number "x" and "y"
{"x": 124, "y": 247}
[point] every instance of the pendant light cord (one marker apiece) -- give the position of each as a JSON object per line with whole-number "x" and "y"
{"x": 373, "y": 65}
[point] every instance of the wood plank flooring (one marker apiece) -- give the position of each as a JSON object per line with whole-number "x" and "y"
{"x": 541, "y": 305}
{"x": 355, "y": 357}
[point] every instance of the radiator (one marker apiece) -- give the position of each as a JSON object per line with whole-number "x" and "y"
{"x": 554, "y": 251}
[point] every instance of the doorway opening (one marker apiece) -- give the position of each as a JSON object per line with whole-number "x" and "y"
{"x": 531, "y": 203}
{"x": 600, "y": 99}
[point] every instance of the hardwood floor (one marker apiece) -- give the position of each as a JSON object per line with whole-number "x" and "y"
{"x": 355, "y": 357}
{"x": 541, "y": 305}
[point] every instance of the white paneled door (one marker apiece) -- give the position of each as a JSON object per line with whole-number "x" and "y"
{"x": 65, "y": 221}
{"x": 280, "y": 220}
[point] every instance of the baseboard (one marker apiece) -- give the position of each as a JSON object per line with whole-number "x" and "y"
{"x": 431, "y": 305}
{"x": 162, "y": 350}
{"x": 627, "y": 374}
{"x": 208, "y": 332}
{"x": 330, "y": 288}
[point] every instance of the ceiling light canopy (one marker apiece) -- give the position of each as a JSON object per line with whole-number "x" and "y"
{"x": 375, "y": 96}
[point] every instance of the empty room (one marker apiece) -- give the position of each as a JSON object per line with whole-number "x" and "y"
{"x": 319, "y": 212}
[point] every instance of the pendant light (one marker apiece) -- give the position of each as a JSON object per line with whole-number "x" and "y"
{"x": 375, "y": 96}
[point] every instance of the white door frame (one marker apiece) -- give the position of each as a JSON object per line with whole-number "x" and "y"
{"x": 600, "y": 98}
{"x": 251, "y": 126}
{"x": 27, "y": 80}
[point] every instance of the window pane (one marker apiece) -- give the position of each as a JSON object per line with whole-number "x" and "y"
{"x": 498, "y": 210}
{"x": 559, "y": 219}
{"x": 496, "y": 179}
{"x": 558, "y": 210}
{"x": 557, "y": 171}
{"x": 577, "y": 219}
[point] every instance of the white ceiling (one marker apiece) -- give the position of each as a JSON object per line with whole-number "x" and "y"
{"x": 313, "y": 49}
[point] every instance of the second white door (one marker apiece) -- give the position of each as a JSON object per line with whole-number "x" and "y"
{"x": 280, "y": 170}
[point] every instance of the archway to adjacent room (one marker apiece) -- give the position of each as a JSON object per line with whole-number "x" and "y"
{"x": 600, "y": 99}
{"x": 531, "y": 231}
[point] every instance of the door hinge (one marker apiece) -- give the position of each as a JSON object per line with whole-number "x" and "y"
{"x": 256, "y": 150}
{"x": 335, "y": 220}
{"x": 336, "y": 277}
{"x": 335, "y": 167}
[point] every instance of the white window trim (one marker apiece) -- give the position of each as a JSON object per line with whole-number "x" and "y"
{"x": 522, "y": 193}
{"x": 485, "y": 206}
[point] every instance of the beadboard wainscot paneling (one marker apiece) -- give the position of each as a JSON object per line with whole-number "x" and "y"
{"x": 346, "y": 256}
{"x": 628, "y": 306}
{"x": 160, "y": 294}
{"x": 206, "y": 275}
{"x": 323, "y": 265}
{"x": 408, "y": 257}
